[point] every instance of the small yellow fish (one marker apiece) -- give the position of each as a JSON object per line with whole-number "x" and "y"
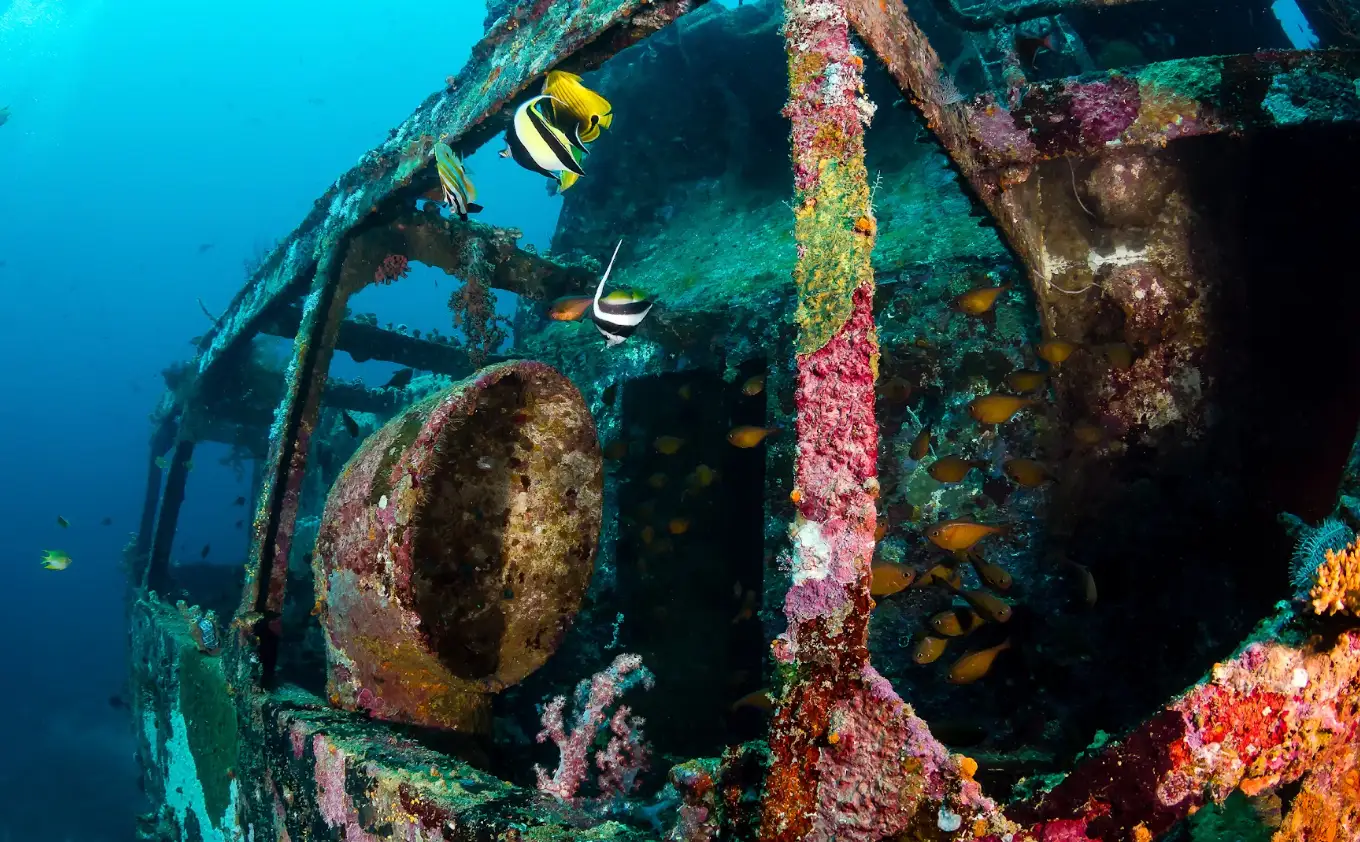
{"x": 668, "y": 445}
{"x": 702, "y": 477}
{"x": 657, "y": 480}
{"x": 991, "y": 574}
{"x": 940, "y": 574}
{"x": 1026, "y": 473}
{"x": 1088, "y": 433}
{"x": 760, "y": 700}
{"x": 888, "y": 579}
{"x": 961, "y": 534}
{"x": 55, "y": 560}
{"x": 569, "y": 308}
{"x": 975, "y": 665}
{"x": 997, "y": 408}
{"x": 954, "y": 468}
{"x": 1119, "y": 354}
{"x": 648, "y": 534}
{"x": 678, "y": 526}
{"x": 753, "y": 385}
{"x": 990, "y": 607}
{"x": 1025, "y": 380}
{"x": 978, "y": 301}
{"x": 955, "y": 622}
{"x": 895, "y": 390}
{"x": 685, "y": 392}
{"x": 746, "y": 436}
{"x": 571, "y": 100}
{"x": 920, "y": 446}
{"x": 1056, "y": 351}
{"x": 929, "y": 649}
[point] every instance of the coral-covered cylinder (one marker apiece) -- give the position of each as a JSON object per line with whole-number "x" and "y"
{"x": 457, "y": 545}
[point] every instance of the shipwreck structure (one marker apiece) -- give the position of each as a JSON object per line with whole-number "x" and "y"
{"x": 430, "y": 561}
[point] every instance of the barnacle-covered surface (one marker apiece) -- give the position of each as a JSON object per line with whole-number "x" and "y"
{"x": 471, "y": 516}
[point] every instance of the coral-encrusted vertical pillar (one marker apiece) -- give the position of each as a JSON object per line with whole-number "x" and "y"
{"x": 827, "y": 606}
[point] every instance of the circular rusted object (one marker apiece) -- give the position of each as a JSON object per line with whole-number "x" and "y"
{"x": 457, "y": 545}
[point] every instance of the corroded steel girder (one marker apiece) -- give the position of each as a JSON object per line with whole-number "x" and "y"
{"x": 1000, "y": 14}
{"x": 849, "y": 761}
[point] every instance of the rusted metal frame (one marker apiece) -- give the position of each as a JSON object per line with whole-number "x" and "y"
{"x": 827, "y": 606}
{"x": 167, "y": 519}
{"x": 364, "y": 342}
{"x": 161, "y": 441}
{"x": 259, "y": 616}
{"x": 1002, "y": 14}
{"x": 515, "y": 52}
{"x": 450, "y": 244}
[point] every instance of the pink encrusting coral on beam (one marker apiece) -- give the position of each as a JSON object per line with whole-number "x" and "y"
{"x": 622, "y": 759}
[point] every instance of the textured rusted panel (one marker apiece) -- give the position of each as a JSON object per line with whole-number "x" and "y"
{"x": 457, "y": 545}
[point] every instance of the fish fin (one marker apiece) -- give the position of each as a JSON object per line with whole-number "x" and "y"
{"x": 505, "y": 153}
{"x": 576, "y": 140}
{"x": 463, "y": 216}
{"x": 473, "y": 207}
{"x": 595, "y": 305}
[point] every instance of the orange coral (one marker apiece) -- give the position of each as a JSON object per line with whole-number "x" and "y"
{"x": 1336, "y": 584}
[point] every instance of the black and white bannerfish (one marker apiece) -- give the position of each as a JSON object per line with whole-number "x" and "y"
{"x": 538, "y": 145}
{"x": 459, "y": 194}
{"x": 617, "y": 314}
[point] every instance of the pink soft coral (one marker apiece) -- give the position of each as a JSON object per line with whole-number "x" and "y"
{"x": 623, "y": 759}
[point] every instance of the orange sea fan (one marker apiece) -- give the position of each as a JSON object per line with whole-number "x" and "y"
{"x": 1336, "y": 584}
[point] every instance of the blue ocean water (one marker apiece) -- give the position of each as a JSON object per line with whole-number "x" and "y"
{"x": 141, "y": 132}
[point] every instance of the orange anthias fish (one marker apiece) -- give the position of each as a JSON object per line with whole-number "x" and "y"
{"x": 569, "y": 308}
{"x": 1026, "y": 473}
{"x": 993, "y": 575}
{"x": 753, "y": 385}
{"x": 1088, "y": 433}
{"x": 668, "y": 445}
{"x": 1056, "y": 351}
{"x": 1119, "y": 354}
{"x": 889, "y": 579}
{"x": 954, "y": 468}
{"x": 678, "y": 525}
{"x": 997, "y": 408}
{"x": 975, "y": 665}
{"x": 940, "y": 574}
{"x": 955, "y": 622}
{"x": 920, "y": 447}
{"x": 961, "y": 534}
{"x": 760, "y": 700}
{"x": 1026, "y": 380}
{"x": 980, "y": 300}
{"x": 750, "y": 436}
{"x": 895, "y": 390}
{"x": 990, "y": 607}
{"x": 929, "y": 649}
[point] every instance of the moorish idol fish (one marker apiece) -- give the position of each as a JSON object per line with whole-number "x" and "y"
{"x": 538, "y": 145}
{"x": 459, "y": 194}
{"x": 619, "y": 313}
{"x": 573, "y": 101}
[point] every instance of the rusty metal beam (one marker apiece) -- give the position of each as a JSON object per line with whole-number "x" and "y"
{"x": 452, "y": 245}
{"x": 172, "y": 498}
{"x": 366, "y": 342}
{"x": 1003, "y": 13}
